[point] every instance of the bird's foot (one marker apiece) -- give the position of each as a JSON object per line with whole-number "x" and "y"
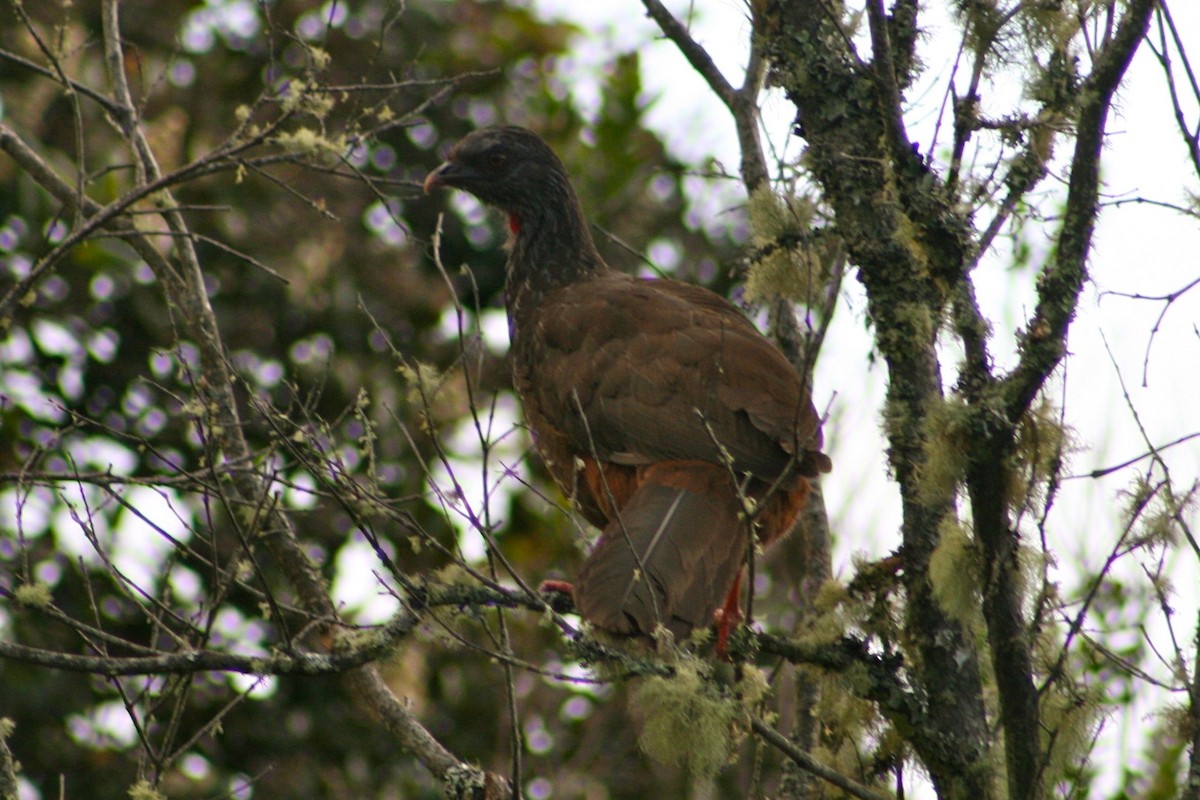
{"x": 726, "y": 619}
{"x": 562, "y": 595}
{"x": 556, "y": 587}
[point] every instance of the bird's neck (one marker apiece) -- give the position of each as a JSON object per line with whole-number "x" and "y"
{"x": 549, "y": 246}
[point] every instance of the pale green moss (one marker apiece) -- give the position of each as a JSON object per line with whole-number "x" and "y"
{"x": 915, "y": 322}
{"x": 34, "y": 594}
{"x": 424, "y": 383}
{"x": 311, "y": 143}
{"x": 753, "y": 687}
{"x": 954, "y": 573}
{"x": 686, "y": 721}
{"x": 1042, "y": 443}
{"x": 848, "y": 722}
{"x": 293, "y": 100}
{"x": 907, "y": 235}
{"x": 320, "y": 57}
{"x": 832, "y": 612}
{"x": 1069, "y": 715}
{"x": 788, "y": 264}
{"x": 143, "y": 790}
{"x": 454, "y": 575}
{"x": 946, "y": 447}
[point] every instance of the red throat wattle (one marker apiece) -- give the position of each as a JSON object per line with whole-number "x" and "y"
{"x": 514, "y": 224}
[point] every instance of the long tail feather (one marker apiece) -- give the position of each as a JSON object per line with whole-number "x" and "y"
{"x": 669, "y": 557}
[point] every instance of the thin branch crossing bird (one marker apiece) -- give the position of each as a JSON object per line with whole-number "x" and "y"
{"x": 674, "y": 425}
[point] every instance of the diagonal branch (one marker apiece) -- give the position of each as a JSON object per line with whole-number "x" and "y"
{"x": 809, "y": 764}
{"x": 1044, "y": 341}
{"x": 742, "y": 103}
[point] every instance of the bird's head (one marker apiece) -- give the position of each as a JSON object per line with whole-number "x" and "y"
{"x": 507, "y": 167}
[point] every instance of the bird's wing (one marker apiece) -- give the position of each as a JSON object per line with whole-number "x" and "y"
{"x": 637, "y": 372}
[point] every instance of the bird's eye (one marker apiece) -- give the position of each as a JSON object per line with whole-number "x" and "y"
{"x": 496, "y": 160}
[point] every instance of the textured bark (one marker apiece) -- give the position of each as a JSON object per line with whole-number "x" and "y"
{"x": 914, "y": 252}
{"x": 1043, "y": 348}
{"x": 909, "y": 247}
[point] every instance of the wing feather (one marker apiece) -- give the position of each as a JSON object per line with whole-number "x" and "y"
{"x": 644, "y": 371}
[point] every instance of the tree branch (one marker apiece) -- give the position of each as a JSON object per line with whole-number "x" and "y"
{"x": 988, "y": 472}
{"x": 890, "y": 105}
{"x": 695, "y": 54}
{"x": 188, "y": 298}
{"x": 809, "y": 764}
{"x": 908, "y": 244}
{"x": 188, "y": 663}
{"x": 1044, "y": 341}
{"x": 742, "y": 103}
{"x": 75, "y": 86}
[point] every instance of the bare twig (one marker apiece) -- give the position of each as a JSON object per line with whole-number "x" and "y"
{"x": 809, "y": 764}
{"x": 742, "y": 103}
{"x": 1153, "y": 451}
{"x": 75, "y": 86}
{"x": 1167, "y": 301}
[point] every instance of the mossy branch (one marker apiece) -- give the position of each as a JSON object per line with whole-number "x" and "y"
{"x": 909, "y": 243}
{"x": 1043, "y": 346}
{"x": 1043, "y": 342}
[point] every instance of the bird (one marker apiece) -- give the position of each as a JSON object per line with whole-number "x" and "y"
{"x": 660, "y": 410}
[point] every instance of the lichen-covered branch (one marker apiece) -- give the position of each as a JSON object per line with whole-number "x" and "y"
{"x": 183, "y": 285}
{"x": 1043, "y": 343}
{"x": 909, "y": 247}
{"x": 378, "y": 645}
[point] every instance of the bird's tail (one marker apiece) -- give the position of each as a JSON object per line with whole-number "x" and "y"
{"x": 670, "y": 556}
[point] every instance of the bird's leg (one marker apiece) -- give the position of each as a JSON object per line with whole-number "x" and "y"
{"x": 562, "y": 595}
{"x": 728, "y": 616}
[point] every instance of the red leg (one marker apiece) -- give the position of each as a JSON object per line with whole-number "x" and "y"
{"x": 728, "y": 615}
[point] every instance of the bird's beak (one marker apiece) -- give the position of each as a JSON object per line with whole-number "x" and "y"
{"x": 448, "y": 174}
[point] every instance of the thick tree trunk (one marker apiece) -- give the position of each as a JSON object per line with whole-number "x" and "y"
{"x": 907, "y": 246}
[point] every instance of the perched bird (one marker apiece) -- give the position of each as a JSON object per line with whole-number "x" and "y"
{"x": 673, "y": 424}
